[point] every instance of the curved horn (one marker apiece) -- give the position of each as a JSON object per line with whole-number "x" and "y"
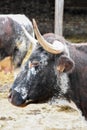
{"x": 33, "y": 40}
{"x": 52, "y": 48}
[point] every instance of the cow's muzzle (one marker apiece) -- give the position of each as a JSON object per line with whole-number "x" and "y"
{"x": 16, "y": 99}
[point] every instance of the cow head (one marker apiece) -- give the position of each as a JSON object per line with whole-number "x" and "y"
{"x": 45, "y": 74}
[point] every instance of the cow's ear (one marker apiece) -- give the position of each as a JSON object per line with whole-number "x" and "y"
{"x": 65, "y": 64}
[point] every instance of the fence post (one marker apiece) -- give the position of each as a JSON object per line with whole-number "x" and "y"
{"x": 59, "y": 7}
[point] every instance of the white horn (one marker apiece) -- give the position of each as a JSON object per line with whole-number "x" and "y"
{"x": 55, "y": 48}
{"x": 32, "y": 39}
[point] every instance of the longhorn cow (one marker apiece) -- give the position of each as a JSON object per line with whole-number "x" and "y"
{"x": 13, "y": 39}
{"x": 55, "y": 68}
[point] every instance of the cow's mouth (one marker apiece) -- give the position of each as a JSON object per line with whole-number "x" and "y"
{"x": 17, "y": 100}
{"x": 24, "y": 103}
{"x": 21, "y": 103}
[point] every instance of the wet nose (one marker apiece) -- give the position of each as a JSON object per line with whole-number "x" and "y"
{"x": 15, "y": 98}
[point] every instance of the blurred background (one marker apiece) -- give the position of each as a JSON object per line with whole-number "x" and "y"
{"x": 74, "y": 17}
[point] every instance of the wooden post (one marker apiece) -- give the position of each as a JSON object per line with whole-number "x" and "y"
{"x": 59, "y": 6}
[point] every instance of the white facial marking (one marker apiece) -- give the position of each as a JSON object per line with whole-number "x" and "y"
{"x": 28, "y": 75}
{"x": 44, "y": 59}
{"x": 64, "y": 83}
{"x": 17, "y": 89}
{"x": 22, "y": 90}
{"x": 31, "y": 71}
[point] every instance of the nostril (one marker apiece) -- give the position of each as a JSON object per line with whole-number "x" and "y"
{"x": 9, "y": 96}
{"x": 15, "y": 98}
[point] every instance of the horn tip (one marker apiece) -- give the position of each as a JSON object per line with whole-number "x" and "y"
{"x": 33, "y": 20}
{"x": 34, "y": 23}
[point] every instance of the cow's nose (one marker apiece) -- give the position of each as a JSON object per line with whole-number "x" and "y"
{"x": 15, "y": 98}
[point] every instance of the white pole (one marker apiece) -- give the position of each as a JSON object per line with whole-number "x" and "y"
{"x": 59, "y": 7}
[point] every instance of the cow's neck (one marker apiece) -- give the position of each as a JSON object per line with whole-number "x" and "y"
{"x": 78, "y": 78}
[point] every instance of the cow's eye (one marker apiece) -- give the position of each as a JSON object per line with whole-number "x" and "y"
{"x": 33, "y": 64}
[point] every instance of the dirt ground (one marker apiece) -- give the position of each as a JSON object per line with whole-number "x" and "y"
{"x": 39, "y": 117}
